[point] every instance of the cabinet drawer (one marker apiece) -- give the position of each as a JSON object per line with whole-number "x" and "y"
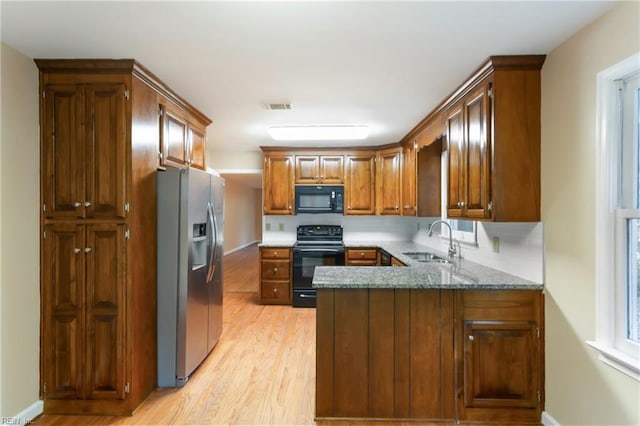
{"x": 275, "y": 253}
{"x": 275, "y": 292}
{"x": 276, "y": 270}
{"x": 362, "y": 254}
{"x": 362, "y": 263}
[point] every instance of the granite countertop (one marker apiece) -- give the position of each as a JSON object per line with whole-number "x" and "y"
{"x": 462, "y": 274}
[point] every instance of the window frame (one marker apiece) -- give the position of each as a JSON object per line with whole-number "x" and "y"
{"x": 610, "y": 227}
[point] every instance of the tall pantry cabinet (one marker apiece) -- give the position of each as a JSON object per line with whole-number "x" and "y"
{"x": 100, "y": 133}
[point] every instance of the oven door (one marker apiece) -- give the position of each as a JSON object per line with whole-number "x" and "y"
{"x": 305, "y": 260}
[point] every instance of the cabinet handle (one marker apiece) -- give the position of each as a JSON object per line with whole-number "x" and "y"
{"x": 77, "y": 204}
{"x": 76, "y": 250}
{"x": 87, "y": 203}
{"x": 87, "y": 249}
{"x": 275, "y": 254}
{"x": 275, "y": 291}
{"x": 361, "y": 254}
{"x": 275, "y": 269}
{"x": 397, "y": 207}
{"x": 471, "y": 337}
{"x": 289, "y": 207}
{"x": 461, "y": 203}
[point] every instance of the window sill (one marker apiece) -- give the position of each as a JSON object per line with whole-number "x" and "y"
{"x": 618, "y": 360}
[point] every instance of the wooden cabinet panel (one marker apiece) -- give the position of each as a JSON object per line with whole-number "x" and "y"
{"x": 478, "y": 156}
{"x": 275, "y": 275}
{"x": 84, "y": 151}
{"x": 63, "y": 302}
{"x": 456, "y": 183}
{"x": 388, "y": 194}
{"x": 106, "y": 151}
{"x": 382, "y": 354}
{"x": 332, "y": 169}
{"x": 361, "y": 256}
{"x": 197, "y": 138}
{"x": 316, "y": 169}
{"x": 63, "y": 150}
{"x": 430, "y": 180}
{"x": 307, "y": 169}
{"x": 500, "y": 355}
{"x": 359, "y": 191}
{"x": 173, "y": 136}
{"x": 278, "y": 184}
{"x": 409, "y": 176}
{"x": 105, "y": 311}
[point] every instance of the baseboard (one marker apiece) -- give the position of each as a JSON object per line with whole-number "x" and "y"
{"x": 233, "y": 250}
{"x": 547, "y": 420}
{"x": 26, "y": 416}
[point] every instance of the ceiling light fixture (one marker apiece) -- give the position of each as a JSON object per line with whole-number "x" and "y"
{"x": 318, "y": 133}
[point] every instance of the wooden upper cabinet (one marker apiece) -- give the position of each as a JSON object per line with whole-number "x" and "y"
{"x": 197, "y": 143}
{"x": 278, "y": 189}
{"x": 360, "y": 189}
{"x": 84, "y": 144}
{"x": 429, "y": 180}
{"x": 468, "y": 133}
{"x": 492, "y": 124}
{"x": 388, "y": 181}
{"x": 409, "y": 171}
{"x": 84, "y": 283}
{"x": 319, "y": 169}
{"x": 182, "y": 138}
{"x": 173, "y": 136}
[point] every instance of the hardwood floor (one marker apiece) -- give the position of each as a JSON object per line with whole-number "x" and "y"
{"x": 240, "y": 270}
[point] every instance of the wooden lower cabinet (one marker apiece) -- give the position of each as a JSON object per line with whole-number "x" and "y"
{"x": 403, "y": 354}
{"x": 361, "y": 256}
{"x": 84, "y": 329}
{"x": 275, "y": 276}
{"x": 500, "y": 355}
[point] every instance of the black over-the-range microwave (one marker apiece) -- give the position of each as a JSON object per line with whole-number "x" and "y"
{"x": 319, "y": 199}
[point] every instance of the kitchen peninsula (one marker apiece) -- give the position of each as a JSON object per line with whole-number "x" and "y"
{"x": 429, "y": 341}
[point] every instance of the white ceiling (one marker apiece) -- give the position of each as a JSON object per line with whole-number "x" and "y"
{"x": 384, "y": 64}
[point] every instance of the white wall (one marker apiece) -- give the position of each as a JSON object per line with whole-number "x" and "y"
{"x": 19, "y": 222}
{"x": 242, "y": 207}
{"x": 579, "y": 388}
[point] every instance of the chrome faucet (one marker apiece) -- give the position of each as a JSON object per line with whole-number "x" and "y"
{"x": 452, "y": 249}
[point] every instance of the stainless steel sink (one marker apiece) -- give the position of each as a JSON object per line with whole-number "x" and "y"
{"x": 427, "y": 257}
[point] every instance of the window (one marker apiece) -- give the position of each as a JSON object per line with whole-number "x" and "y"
{"x": 618, "y": 217}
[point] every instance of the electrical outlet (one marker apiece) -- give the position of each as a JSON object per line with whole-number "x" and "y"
{"x": 496, "y": 244}
{"x": 267, "y": 227}
{"x": 281, "y": 227}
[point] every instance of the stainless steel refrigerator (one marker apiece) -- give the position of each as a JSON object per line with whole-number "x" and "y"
{"x": 190, "y": 250}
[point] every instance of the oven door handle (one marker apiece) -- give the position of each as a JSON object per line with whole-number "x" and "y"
{"x": 318, "y": 249}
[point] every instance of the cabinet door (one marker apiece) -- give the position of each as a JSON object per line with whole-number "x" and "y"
{"x": 307, "y": 169}
{"x": 105, "y": 311}
{"x": 197, "y": 140}
{"x": 456, "y": 161}
{"x": 105, "y": 151}
{"x": 278, "y": 184}
{"x": 409, "y": 171}
{"x": 388, "y": 182}
{"x": 501, "y": 364}
{"x": 332, "y": 169}
{"x": 63, "y": 309}
{"x": 360, "y": 184}
{"x": 478, "y": 174}
{"x": 63, "y": 151}
{"x": 173, "y": 136}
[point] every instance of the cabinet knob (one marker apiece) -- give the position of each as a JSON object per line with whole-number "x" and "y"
{"x": 87, "y": 203}
{"x": 471, "y": 337}
{"x": 275, "y": 254}
{"x": 397, "y": 207}
{"x": 361, "y": 254}
{"x": 76, "y": 250}
{"x": 77, "y": 204}
{"x": 87, "y": 249}
{"x": 275, "y": 269}
{"x": 275, "y": 291}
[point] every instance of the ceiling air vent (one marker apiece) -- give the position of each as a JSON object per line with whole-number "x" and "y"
{"x": 278, "y": 106}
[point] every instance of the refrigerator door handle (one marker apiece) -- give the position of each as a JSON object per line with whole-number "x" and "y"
{"x": 214, "y": 242}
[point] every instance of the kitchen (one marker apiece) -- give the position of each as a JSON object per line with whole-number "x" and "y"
{"x": 573, "y": 372}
